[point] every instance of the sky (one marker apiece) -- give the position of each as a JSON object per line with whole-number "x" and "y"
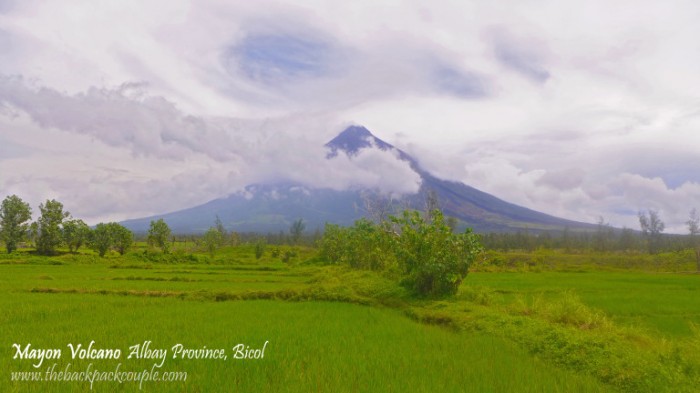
{"x": 579, "y": 109}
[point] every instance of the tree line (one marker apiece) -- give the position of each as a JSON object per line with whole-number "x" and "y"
{"x": 649, "y": 238}
{"x": 55, "y": 227}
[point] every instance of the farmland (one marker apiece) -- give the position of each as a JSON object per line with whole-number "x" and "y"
{"x": 544, "y": 326}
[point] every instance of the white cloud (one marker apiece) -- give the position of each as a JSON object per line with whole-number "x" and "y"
{"x": 117, "y": 154}
{"x": 578, "y": 109}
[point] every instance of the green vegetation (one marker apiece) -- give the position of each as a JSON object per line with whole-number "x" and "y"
{"x": 49, "y": 224}
{"x": 75, "y": 234}
{"x": 296, "y": 230}
{"x": 432, "y": 259}
{"x": 111, "y": 236}
{"x": 588, "y": 316}
{"x": 260, "y": 248}
{"x": 14, "y": 217}
{"x": 542, "y": 321}
{"x": 213, "y": 239}
{"x": 159, "y": 235}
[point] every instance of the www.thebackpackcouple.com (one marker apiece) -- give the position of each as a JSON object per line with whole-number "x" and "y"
{"x": 55, "y": 373}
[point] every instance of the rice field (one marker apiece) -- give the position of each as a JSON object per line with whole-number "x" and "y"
{"x": 331, "y": 330}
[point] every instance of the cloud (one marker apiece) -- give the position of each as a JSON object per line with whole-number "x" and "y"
{"x": 524, "y": 56}
{"x": 545, "y": 104}
{"x": 120, "y": 117}
{"x": 118, "y": 153}
{"x": 562, "y": 179}
{"x": 294, "y": 62}
{"x": 277, "y": 58}
{"x": 6, "y": 6}
{"x": 460, "y": 83}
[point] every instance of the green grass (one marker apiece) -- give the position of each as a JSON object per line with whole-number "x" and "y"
{"x": 664, "y": 304}
{"x": 546, "y": 327}
{"x": 314, "y": 346}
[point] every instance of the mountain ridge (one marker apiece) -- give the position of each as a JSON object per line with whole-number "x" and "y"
{"x": 272, "y": 207}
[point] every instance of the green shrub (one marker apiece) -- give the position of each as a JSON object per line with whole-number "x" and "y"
{"x": 432, "y": 259}
{"x": 259, "y": 248}
{"x": 288, "y": 254}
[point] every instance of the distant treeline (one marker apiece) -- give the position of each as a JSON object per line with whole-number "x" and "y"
{"x": 607, "y": 240}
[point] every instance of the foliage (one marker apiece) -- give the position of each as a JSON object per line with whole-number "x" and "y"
{"x": 432, "y": 258}
{"x": 603, "y": 235}
{"x": 602, "y": 324}
{"x": 111, "y": 236}
{"x": 364, "y": 245}
{"x": 52, "y": 216}
{"x": 288, "y": 254}
{"x": 652, "y": 226}
{"x": 101, "y": 239}
{"x": 260, "y": 248}
{"x": 75, "y": 233}
{"x": 14, "y": 217}
{"x": 693, "y": 223}
{"x": 158, "y": 235}
{"x": 296, "y": 230}
{"x": 213, "y": 239}
{"x": 694, "y": 232}
{"x": 219, "y": 226}
{"x": 122, "y": 238}
{"x": 33, "y": 233}
{"x": 234, "y": 238}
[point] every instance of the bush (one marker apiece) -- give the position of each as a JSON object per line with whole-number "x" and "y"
{"x": 259, "y": 248}
{"x": 432, "y": 259}
{"x": 288, "y": 254}
{"x": 363, "y": 246}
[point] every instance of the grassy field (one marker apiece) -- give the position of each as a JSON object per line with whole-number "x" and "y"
{"x": 331, "y": 329}
{"x": 666, "y": 305}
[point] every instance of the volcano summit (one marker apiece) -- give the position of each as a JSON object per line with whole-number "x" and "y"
{"x": 271, "y": 207}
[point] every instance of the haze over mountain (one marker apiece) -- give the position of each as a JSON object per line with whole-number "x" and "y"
{"x": 270, "y": 207}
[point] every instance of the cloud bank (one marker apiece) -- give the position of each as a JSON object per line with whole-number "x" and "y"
{"x": 128, "y": 108}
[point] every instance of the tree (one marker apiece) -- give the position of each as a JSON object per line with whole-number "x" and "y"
{"x": 101, "y": 239}
{"x": 111, "y": 236}
{"x": 693, "y": 223}
{"x": 432, "y": 203}
{"x": 628, "y": 240}
{"x": 122, "y": 238}
{"x": 296, "y": 230}
{"x": 213, "y": 239}
{"x": 234, "y": 238}
{"x": 75, "y": 233}
{"x": 219, "y": 225}
{"x": 158, "y": 235}
{"x": 434, "y": 259}
{"x": 652, "y": 227}
{"x": 376, "y": 207}
{"x": 260, "y": 248}
{"x": 694, "y": 230}
{"x": 603, "y": 235}
{"x": 52, "y": 216}
{"x": 33, "y": 233}
{"x": 14, "y": 217}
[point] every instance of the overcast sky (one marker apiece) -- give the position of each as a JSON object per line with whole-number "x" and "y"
{"x": 579, "y": 109}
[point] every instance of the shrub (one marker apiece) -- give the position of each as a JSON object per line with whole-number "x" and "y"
{"x": 363, "y": 246}
{"x": 288, "y": 254}
{"x": 432, "y": 258}
{"x": 259, "y": 248}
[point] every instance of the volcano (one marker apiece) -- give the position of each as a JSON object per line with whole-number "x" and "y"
{"x": 273, "y": 207}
